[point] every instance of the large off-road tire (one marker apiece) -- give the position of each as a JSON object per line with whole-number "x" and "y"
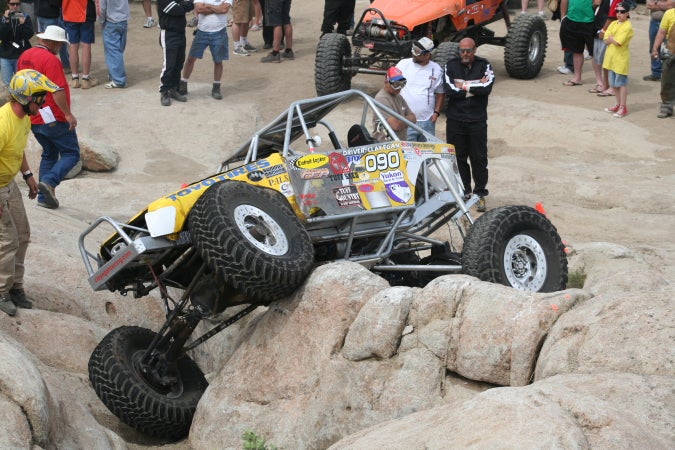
{"x": 252, "y": 239}
{"x": 444, "y": 52}
{"x": 525, "y": 46}
{"x": 115, "y": 375}
{"x": 441, "y": 55}
{"x": 330, "y": 75}
{"x": 518, "y": 247}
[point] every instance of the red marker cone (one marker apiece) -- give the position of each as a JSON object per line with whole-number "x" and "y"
{"x": 539, "y": 207}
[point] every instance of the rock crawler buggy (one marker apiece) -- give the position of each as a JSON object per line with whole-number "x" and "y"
{"x": 387, "y": 28}
{"x": 286, "y": 201}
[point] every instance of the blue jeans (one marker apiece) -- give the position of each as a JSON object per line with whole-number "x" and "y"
{"x": 114, "y": 43}
{"x": 7, "y": 69}
{"x": 60, "y": 151}
{"x": 63, "y": 53}
{"x": 426, "y": 125}
{"x": 657, "y": 65}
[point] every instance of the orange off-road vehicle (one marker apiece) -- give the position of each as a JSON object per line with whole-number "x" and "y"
{"x": 387, "y": 28}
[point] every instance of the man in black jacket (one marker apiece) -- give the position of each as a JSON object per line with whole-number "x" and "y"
{"x": 468, "y": 82}
{"x": 172, "y": 37}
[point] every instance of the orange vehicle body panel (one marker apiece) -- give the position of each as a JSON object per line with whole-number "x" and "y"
{"x": 415, "y": 12}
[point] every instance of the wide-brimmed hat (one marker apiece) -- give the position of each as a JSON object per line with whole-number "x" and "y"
{"x": 54, "y": 33}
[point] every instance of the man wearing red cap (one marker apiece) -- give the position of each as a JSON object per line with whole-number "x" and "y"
{"x": 389, "y": 96}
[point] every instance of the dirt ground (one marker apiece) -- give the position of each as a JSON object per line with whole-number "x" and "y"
{"x": 599, "y": 178}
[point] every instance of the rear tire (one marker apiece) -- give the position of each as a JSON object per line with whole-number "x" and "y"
{"x": 124, "y": 390}
{"x": 330, "y": 75}
{"x": 441, "y": 55}
{"x": 252, "y": 240}
{"x": 525, "y": 46}
{"x": 518, "y": 247}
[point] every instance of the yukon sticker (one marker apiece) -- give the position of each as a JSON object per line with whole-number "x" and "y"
{"x": 397, "y": 188}
{"x": 313, "y": 161}
{"x": 347, "y": 196}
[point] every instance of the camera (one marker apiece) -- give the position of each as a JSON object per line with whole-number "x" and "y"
{"x": 15, "y": 15}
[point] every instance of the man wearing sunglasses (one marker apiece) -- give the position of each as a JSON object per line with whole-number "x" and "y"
{"x": 424, "y": 91}
{"x": 468, "y": 83}
{"x": 27, "y": 91}
{"x": 390, "y": 96}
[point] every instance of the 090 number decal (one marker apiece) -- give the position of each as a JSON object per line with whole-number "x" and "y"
{"x": 382, "y": 161}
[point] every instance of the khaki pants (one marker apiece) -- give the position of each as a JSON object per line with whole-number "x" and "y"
{"x": 14, "y": 238}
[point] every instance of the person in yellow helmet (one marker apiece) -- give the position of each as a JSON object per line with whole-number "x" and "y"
{"x": 27, "y": 91}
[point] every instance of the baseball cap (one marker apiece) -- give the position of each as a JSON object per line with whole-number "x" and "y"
{"x": 423, "y": 45}
{"x": 395, "y": 74}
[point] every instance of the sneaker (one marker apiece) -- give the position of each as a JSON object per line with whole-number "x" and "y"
{"x": 149, "y": 23}
{"x": 113, "y": 85}
{"x": 6, "y": 305}
{"x": 565, "y": 71}
{"x": 19, "y": 298}
{"x": 182, "y": 87}
{"x": 665, "y": 111}
{"x": 542, "y": 14}
{"x": 88, "y": 83}
{"x": 267, "y": 46}
{"x": 271, "y": 58}
{"x": 622, "y": 112}
{"x": 215, "y": 91}
{"x": 255, "y": 27}
{"x": 480, "y": 206}
{"x": 174, "y": 94}
{"x": 249, "y": 48}
{"x": 165, "y": 99}
{"x": 239, "y": 50}
{"x": 75, "y": 83}
{"x": 47, "y": 192}
{"x": 193, "y": 22}
{"x": 45, "y": 205}
{"x": 651, "y": 78}
{"x": 288, "y": 54}
{"x": 612, "y": 109}
{"x": 587, "y": 55}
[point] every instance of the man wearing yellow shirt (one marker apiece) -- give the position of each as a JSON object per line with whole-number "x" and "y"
{"x": 28, "y": 89}
{"x": 666, "y": 30}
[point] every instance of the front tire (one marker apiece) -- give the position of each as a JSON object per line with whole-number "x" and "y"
{"x": 252, "y": 239}
{"x": 330, "y": 75}
{"x": 518, "y": 247}
{"x": 114, "y": 372}
{"x": 526, "y": 47}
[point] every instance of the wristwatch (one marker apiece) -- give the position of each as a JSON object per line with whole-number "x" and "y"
{"x": 27, "y": 174}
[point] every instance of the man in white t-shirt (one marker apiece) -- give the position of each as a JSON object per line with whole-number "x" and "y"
{"x": 424, "y": 91}
{"x": 212, "y": 33}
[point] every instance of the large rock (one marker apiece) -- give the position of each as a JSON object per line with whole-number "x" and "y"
{"x": 608, "y": 410}
{"x": 484, "y": 331}
{"x": 97, "y": 156}
{"x": 334, "y": 359}
{"x": 629, "y": 332}
{"x": 612, "y": 268}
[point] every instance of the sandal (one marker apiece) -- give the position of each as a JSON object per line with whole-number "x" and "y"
{"x": 571, "y": 83}
{"x": 606, "y": 93}
{"x": 597, "y": 89}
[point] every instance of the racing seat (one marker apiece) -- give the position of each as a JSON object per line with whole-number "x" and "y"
{"x": 358, "y": 135}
